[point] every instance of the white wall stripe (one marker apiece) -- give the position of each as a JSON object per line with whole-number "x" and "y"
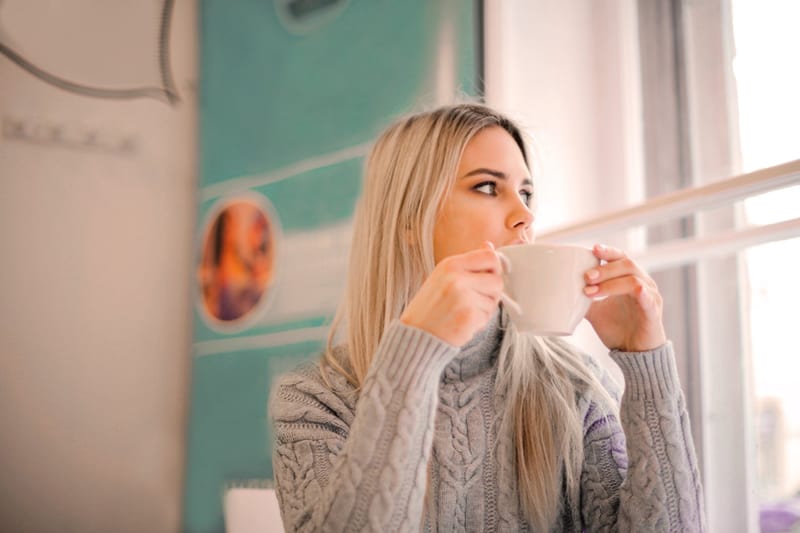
{"x": 252, "y": 342}
{"x": 214, "y": 190}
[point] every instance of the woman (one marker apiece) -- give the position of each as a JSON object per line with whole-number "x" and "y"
{"x": 435, "y": 413}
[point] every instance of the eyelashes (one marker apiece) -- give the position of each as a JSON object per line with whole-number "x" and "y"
{"x": 489, "y": 188}
{"x": 486, "y": 187}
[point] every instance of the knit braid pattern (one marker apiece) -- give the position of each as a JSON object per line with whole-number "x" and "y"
{"x": 508, "y": 510}
{"x": 361, "y": 464}
{"x": 661, "y": 490}
{"x": 461, "y": 463}
{"x": 377, "y": 480}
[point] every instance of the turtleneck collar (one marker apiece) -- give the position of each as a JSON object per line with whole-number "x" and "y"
{"x": 479, "y": 354}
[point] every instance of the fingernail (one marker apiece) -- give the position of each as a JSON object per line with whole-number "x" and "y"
{"x": 600, "y": 247}
{"x": 593, "y": 273}
{"x": 590, "y": 289}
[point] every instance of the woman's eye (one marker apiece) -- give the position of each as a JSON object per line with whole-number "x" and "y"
{"x": 527, "y": 197}
{"x": 487, "y": 187}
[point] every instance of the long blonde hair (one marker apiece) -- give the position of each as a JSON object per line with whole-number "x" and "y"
{"x": 407, "y": 177}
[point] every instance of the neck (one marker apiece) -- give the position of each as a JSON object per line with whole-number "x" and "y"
{"x": 480, "y": 353}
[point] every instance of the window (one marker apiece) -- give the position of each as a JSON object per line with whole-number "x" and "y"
{"x": 768, "y": 100}
{"x": 632, "y": 100}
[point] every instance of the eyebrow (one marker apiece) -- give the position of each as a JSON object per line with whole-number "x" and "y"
{"x": 496, "y": 173}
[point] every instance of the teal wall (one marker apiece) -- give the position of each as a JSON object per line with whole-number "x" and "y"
{"x": 275, "y": 97}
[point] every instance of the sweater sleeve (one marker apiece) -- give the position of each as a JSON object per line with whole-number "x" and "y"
{"x": 640, "y": 472}
{"x": 366, "y": 471}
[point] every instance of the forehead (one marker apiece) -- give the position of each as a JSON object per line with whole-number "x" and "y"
{"x": 496, "y": 148}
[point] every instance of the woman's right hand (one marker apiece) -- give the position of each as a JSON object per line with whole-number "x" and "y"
{"x": 459, "y": 297}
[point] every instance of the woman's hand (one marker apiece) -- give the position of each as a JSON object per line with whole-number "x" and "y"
{"x": 459, "y": 297}
{"x": 629, "y": 317}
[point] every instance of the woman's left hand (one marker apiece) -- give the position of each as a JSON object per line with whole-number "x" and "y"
{"x": 628, "y": 318}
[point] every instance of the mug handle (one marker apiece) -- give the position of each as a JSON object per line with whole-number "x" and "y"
{"x": 507, "y": 300}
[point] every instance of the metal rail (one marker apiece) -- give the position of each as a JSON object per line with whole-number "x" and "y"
{"x": 689, "y": 201}
{"x": 680, "y": 203}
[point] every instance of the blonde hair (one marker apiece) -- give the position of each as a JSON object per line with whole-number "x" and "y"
{"x": 408, "y": 175}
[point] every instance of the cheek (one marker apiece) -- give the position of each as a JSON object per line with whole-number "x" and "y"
{"x": 449, "y": 235}
{"x": 443, "y": 237}
{"x": 463, "y": 233}
{"x": 465, "y": 224}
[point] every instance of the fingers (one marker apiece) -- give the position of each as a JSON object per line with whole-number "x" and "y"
{"x": 459, "y": 297}
{"x": 614, "y": 269}
{"x": 616, "y": 286}
{"x": 505, "y": 262}
{"x": 619, "y": 275}
{"x": 627, "y": 310}
{"x": 607, "y": 253}
{"x": 642, "y": 289}
{"x": 477, "y": 271}
{"x": 486, "y": 284}
{"x": 647, "y": 297}
{"x": 481, "y": 260}
{"x": 618, "y": 265}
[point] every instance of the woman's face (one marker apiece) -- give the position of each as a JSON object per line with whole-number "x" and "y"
{"x": 491, "y": 198}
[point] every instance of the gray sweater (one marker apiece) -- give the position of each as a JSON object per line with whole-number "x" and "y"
{"x": 347, "y": 462}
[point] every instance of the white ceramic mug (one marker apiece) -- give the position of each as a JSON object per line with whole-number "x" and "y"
{"x": 545, "y": 283}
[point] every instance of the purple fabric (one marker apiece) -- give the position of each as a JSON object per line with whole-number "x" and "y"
{"x": 780, "y": 517}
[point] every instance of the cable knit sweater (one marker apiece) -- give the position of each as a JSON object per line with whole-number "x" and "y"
{"x": 360, "y": 463}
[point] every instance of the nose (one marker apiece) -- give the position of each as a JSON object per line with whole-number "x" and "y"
{"x": 520, "y": 217}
